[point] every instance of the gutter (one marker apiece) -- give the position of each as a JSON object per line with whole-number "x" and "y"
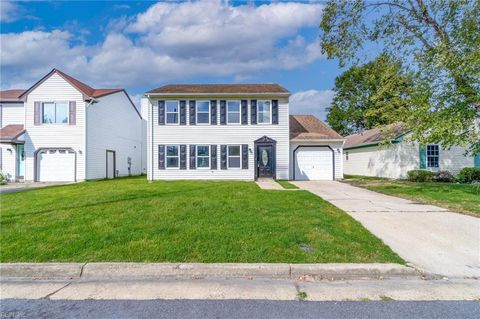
{"x": 219, "y": 94}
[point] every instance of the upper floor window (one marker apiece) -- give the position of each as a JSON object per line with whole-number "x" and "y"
{"x": 171, "y": 112}
{"x": 203, "y": 156}
{"x": 203, "y": 112}
{"x": 433, "y": 155}
{"x": 172, "y": 156}
{"x": 264, "y": 112}
{"x": 55, "y": 113}
{"x": 233, "y": 112}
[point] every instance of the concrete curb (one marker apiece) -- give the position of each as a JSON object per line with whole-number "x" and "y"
{"x": 99, "y": 271}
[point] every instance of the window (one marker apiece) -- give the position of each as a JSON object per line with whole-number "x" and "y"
{"x": 55, "y": 113}
{"x": 233, "y": 112}
{"x": 264, "y": 112}
{"x": 234, "y": 156}
{"x": 433, "y": 154}
{"x": 172, "y": 158}
{"x": 172, "y": 112}
{"x": 203, "y": 156}
{"x": 203, "y": 112}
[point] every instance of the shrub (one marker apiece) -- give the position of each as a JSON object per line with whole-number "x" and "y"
{"x": 420, "y": 175}
{"x": 3, "y": 179}
{"x": 444, "y": 176}
{"x": 469, "y": 175}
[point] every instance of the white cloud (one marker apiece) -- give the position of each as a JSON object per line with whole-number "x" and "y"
{"x": 9, "y": 11}
{"x": 311, "y": 102}
{"x": 172, "y": 42}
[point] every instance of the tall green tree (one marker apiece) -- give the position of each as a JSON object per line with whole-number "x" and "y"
{"x": 372, "y": 95}
{"x": 438, "y": 39}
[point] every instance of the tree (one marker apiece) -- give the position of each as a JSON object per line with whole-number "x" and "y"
{"x": 438, "y": 39}
{"x": 372, "y": 95}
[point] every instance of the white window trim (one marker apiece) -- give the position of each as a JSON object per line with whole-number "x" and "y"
{"x": 167, "y": 156}
{"x": 178, "y": 112}
{"x": 55, "y": 102}
{"x": 209, "y": 112}
{"x": 209, "y": 157}
{"x": 239, "y": 112}
{"x": 426, "y": 156}
{"x": 239, "y": 156}
{"x": 258, "y": 113}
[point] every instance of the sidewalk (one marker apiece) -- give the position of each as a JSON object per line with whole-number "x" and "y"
{"x": 145, "y": 281}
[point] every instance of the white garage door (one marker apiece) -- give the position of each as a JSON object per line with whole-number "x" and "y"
{"x": 314, "y": 163}
{"x": 56, "y": 165}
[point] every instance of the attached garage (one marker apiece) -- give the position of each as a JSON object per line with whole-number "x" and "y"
{"x": 314, "y": 163}
{"x": 315, "y": 150}
{"x": 56, "y": 165}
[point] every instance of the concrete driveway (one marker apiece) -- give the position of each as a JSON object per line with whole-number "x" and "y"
{"x": 19, "y": 187}
{"x": 429, "y": 237}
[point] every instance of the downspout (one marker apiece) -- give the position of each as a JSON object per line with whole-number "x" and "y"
{"x": 150, "y": 134}
{"x": 91, "y": 101}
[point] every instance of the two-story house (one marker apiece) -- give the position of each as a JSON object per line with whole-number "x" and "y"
{"x": 235, "y": 131}
{"x": 61, "y": 129}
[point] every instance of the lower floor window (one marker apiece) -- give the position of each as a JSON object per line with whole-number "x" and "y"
{"x": 433, "y": 154}
{"x": 203, "y": 156}
{"x": 172, "y": 160}
{"x": 234, "y": 156}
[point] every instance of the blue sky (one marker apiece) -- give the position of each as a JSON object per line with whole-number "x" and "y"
{"x": 140, "y": 45}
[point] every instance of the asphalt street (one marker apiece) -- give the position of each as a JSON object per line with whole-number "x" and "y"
{"x": 118, "y": 309}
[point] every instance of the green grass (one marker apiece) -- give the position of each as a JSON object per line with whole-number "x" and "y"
{"x": 285, "y": 184}
{"x": 460, "y": 198}
{"x": 130, "y": 219}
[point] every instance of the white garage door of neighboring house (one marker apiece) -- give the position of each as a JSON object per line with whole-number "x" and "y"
{"x": 56, "y": 165}
{"x": 313, "y": 163}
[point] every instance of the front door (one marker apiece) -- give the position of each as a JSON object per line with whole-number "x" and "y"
{"x": 20, "y": 163}
{"x": 265, "y": 161}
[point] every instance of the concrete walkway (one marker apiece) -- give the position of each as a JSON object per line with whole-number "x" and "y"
{"x": 268, "y": 183}
{"x": 430, "y": 237}
{"x": 18, "y": 187}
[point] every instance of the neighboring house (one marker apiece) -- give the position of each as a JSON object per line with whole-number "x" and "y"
{"x": 61, "y": 129}
{"x": 389, "y": 153}
{"x": 235, "y": 131}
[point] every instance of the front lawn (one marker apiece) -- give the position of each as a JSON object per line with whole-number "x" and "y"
{"x": 179, "y": 221}
{"x": 462, "y": 198}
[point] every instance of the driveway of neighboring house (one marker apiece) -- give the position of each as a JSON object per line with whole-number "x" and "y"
{"x": 430, "y": 237}
{"x": 18, "y": 187}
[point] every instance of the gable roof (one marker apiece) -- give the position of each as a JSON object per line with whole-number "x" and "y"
{"x": 10, "y": 132}
{"x": 220, "y": 89}
{"x": 308, "y": 127}
{"x": 87, "y": 91}
{"x": 375, "y": 136}
{"x": 11, "y": 95}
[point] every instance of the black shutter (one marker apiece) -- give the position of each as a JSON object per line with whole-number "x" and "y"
{"x": 244, "y": 156}
{"x": 183, "y": 112}
{"x": 161, "y": 156}
{"x": 161, "y": 112}
{"x": 183, "y": 156}
{"x": 213, "y": 112}
{"x": 223, "y": 112}
{"x": 193, "y": 162}
{"x": 223, "y": 151}
{"x": 274, "y": 111}
{"x": 193, "y": 113}
{"x": 213, "y": 156}
{"x": 244, "y": 112}
{"x": 253, "y": 112}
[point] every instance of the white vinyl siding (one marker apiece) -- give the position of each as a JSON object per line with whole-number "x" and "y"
{"x": 8, "y": 160}
{"x": 12, "y": 113}
{"x": 219, "y": 135}
{"x": 54, "y": 88}
{"x": 396, "y": 160}
{"x": 113, "y": 124}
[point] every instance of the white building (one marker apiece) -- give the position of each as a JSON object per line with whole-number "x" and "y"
{"x": 389, "y": 153}
{"x": 61, "y": 129}
{"x": 235, "y": 131}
